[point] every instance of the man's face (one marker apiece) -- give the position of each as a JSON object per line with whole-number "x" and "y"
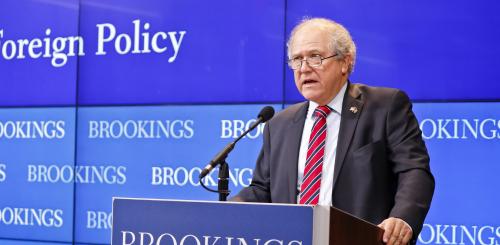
{"x": 319, "y": 84}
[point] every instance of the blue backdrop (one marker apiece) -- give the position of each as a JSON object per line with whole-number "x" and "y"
{"x": 131, "y": 98}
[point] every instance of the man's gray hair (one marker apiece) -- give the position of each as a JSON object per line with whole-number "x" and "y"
{"x": 341, "y": 41}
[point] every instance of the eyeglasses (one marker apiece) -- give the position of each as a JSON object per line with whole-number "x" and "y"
{"x": 313, "y": 61}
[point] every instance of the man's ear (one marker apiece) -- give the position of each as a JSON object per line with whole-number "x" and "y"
{"x": 346, "y": 63}
{"x": 345, "y": 68}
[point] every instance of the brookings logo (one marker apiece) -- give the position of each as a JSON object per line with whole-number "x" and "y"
{"x": 141, "y": 129}
{"x": 459, "y": 234}
{"x": 32, "y": 129}
{"x": 454, "y": 128}
{"x": 3, "y": 172}
{"x": 234, "y": 128}
{"x": 181, "y": 176}
{"x": 45, "y": 217}
{"x": 133, "y": 238}
{"x": 82, "y": 174}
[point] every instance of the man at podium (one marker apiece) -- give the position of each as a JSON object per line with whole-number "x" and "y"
{"x": 352, "y": 146}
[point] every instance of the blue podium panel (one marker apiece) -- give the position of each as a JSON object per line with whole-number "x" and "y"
{"x": 36, "y": 173}
{"x": 139, "y": 221}
{"x": 155, "y": 152}
{"x": 463, "y": 140}
{"x": 181, "y": 52}
{"x": 422, "y": 47}
{"x": 38, "y": 52}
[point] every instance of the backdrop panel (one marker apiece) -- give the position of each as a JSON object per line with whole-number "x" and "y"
{"x": 37, "y": 61}
{"x": 208, "y": 52}
{"x": 463, "y": 141}
{"x": 432, "y": 50}
{"x": 13, "y": 242}
{"x": 36, "y": 173}
{"x": 156, "y": 152}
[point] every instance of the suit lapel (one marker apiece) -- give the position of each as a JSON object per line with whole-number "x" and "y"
{"x": 352, "y": 107}
{"x": 295, "y": 136}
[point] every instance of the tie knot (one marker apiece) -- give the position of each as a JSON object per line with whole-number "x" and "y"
{"x": 322, "y": 111}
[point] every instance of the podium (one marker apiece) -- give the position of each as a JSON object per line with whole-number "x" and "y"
{"x": 178, "y": 222}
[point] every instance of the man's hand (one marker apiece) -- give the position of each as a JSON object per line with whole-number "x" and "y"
{"x": 396, "y": 231}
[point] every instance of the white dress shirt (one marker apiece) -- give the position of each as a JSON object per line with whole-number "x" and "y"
{"x": 332, "y": 135}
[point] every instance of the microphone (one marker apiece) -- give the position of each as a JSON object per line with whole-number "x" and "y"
{"x": 264, "y": 115}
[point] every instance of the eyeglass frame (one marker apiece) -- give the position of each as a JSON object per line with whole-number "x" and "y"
{"x": 307, "y": 59}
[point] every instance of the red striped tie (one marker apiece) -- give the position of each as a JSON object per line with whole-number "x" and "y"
{"x": 311, "y": 182}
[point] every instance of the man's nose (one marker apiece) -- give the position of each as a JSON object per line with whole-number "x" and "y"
{"x": 305, "y": 67}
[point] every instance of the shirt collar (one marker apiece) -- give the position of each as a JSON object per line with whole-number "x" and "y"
{"x": 335, "y": 104}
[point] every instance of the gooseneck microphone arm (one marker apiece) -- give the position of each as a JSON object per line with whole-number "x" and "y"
{"x": 265, "y": 114}
{"x": 220, "y": 159}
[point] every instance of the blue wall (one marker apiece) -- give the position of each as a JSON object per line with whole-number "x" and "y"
{"x": 131, "y": 98}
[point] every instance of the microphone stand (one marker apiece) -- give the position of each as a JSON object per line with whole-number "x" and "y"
{"x": 223, "y": 183}
{"x": 223, "y": 178}
{"x": 220, "y": 159}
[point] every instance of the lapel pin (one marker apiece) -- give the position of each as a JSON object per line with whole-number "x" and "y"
{"x": 353, "y": 109}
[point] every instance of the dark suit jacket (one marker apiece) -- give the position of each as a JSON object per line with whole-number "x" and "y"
{"x": 381, "y": 167}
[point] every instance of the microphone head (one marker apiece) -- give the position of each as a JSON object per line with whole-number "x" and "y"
{"x": 266, "y": 113}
